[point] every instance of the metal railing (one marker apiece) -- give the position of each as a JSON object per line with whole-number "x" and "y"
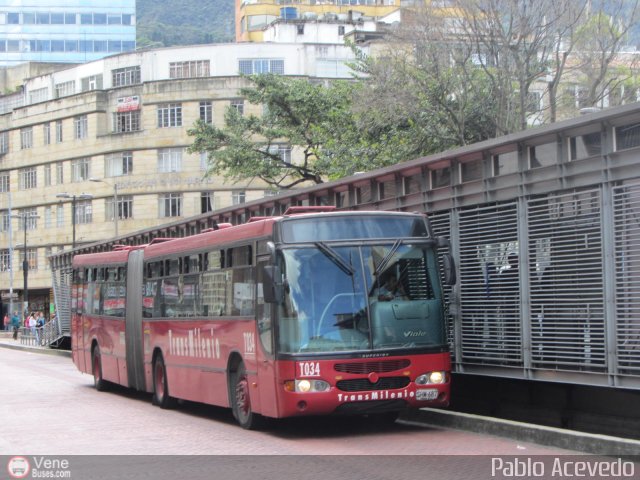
{"x": 39, "y": 336}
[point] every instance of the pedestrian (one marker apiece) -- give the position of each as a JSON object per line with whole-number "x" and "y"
{"x": 15, "y": 323}
{"x": 32, "y": 325}
{"x": 39, "y": 327}
{"x": 6, "y": 321}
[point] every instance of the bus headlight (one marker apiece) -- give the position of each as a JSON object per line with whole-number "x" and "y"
{"x": 306, "y": 386}
{"x": 432, "y": 378}
{"x": 303, "y": 386}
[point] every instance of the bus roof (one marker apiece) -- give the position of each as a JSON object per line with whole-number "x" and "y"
{"x": 257, "y": 228}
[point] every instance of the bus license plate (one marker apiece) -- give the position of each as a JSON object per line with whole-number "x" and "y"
{"x": 430, "y": 394}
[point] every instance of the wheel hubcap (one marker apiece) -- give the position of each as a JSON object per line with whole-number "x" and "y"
{"x": 242, "y": 397}
{"x": 159, "y": 381}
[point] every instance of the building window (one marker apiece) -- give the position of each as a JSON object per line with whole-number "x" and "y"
{"x": 4, "y": 182}
{"x": 126, "y": 121}
{"x": 80, "y": 170}
{"x": 60, "y": 216}
{"x": 47, "y": 217}
{"x": 125, "y": 208}
{"x": 47, "y": 175}
{"x": 170, "y": 205}
{"x": 28, "y": 178}
{"x": 238, "y": 104}
{"x": 39, "y": 95}
{"x": 4, "y": 220}
{"x": 4, "y": 142}
{"x": 238, "y": 197}
{"x": 94, "y": 82}
{"x": 46, "y": 133}
{"x": 169, "y": 160}
{"x": 58, "y": 131}
{"x": 189, "y": 69}
{"x": 32, "y": 258}
{"x": 284, "y": 151}
{"x": 26, "y": 138}
{"x": 169, "y": 115}
{"x": 29, "y": 215}
{"x": 83, "y": 211}
{"x": 65, "y": 89}
{"x": 206, "y": 112}
{"x": 204, "y": 161}
{"x": 118, "y": 164}
{"x": 59, "y": 173}
{"x": 125, "y": 76}
{"x": 208, "y": 202}
{"x": 251, "y": 66}
{"x": 5, "y": 260}
{"x": 47, "y": 253}
{"x": 81, "y": 127}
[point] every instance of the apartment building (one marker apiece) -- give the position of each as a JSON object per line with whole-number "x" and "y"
{"x": 254, "y": 16}
{"x": 75, "y": 31}
{"x": 98, "y": 150}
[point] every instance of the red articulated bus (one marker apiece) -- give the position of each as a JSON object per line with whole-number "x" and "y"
{"x": 311, "y": 313}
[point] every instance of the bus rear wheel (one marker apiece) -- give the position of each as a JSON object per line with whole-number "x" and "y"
{"x": 241, "y": 401}
{"x": 161, "y": 395}
{"x": 96, "y": 368}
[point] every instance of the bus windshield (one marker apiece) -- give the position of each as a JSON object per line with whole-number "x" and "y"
{"x": 365, "y": 297}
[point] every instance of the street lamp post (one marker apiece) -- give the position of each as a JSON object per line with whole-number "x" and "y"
{"x": 73, "y": 197}
{"x": 24, "y": 217}
{"x": 116, "y": 208}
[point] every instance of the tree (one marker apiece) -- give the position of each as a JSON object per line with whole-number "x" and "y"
{"x": 517, "y": 43}
{"x": 314, "y": 119}
{"x": 599, "y": 45}
{"x": 424, "y": 84}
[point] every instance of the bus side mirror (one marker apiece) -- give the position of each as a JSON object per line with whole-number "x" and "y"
{"x": 449, "y": 269}
{"x": 271, "y": 286}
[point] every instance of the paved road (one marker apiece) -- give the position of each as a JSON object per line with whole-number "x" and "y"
{"x": 48, "y": 408}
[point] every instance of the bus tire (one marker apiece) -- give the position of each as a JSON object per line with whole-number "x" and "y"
{"x": 241, "y": 400}
{"x": 161, "y": 395}
{"x": 96, "y": 368}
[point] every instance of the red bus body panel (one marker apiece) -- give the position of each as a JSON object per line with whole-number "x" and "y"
{"x": 196, "y": 351}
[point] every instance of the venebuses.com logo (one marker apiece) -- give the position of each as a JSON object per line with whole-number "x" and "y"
{"x": 38, "y": 467}
{"x": 18, "y": 467}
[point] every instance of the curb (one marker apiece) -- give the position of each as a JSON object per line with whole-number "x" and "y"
{"x": 541, "y": 435}
{"x": 30, "y": 349}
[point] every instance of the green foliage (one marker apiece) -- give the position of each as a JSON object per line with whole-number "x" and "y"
{"x": 331, "y": 140}
{"x": 425, "y": 106}
{"x": 184, "y": 22}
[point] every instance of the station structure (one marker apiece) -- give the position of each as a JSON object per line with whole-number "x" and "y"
{"x": 545, "y": 226}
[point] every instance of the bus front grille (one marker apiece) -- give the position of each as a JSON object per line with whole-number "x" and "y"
{"x": 364, "y": 385}
{"x": 378, "y": 366}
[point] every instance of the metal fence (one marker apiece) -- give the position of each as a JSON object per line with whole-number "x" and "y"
{"x": 545, "y": 225}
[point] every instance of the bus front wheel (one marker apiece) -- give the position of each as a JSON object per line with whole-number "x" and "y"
{"x": 241, "y": 398}
{"x": 96, "y": 368}
{"x": 161, "y": 395}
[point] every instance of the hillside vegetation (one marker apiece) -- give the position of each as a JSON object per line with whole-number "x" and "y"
{"x": 184, "y": 22}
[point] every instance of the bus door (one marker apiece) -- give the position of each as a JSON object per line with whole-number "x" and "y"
{"x": 133, "y": 322}
{"x": 78, "y": 327}
{"x": 265, "y": 359}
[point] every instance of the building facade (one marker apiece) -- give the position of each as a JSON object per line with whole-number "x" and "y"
{"x": 98, "y": 150}
{"x": 76, "y": 31}
{"x": 254, "y": 16}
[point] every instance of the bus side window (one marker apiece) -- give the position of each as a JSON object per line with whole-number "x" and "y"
{"x": 263, "y": 311}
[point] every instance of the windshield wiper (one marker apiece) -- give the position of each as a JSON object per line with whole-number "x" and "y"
{"x": 387, "y": 257}
{"x": 332, "y": 255}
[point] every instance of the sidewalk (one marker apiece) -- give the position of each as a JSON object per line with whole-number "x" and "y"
{"x": 552, "y": 437}
{"x": 7, "y": 341}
